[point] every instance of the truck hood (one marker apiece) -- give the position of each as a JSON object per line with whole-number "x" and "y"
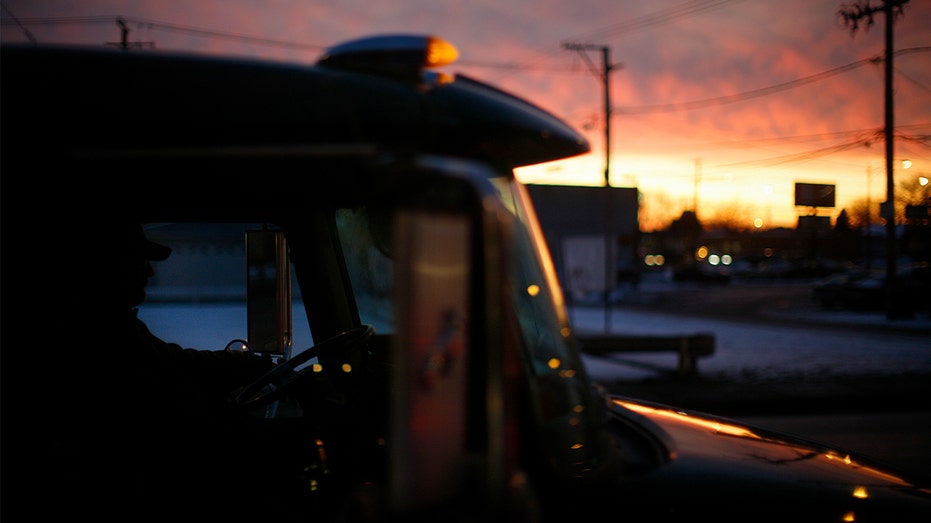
{"x": 764, "y": 475}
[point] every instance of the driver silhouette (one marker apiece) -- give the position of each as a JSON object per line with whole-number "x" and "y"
{"x": 202, "y": 452}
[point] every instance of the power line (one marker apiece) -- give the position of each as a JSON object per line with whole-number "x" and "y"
{"x": 228, "y": 36}
{"x": 797, "y": 157}
{"x": 747, "y": 95}
{"x": 29, "y": 36}
{"x": 660, "y": 17}
{"x": 97, "y": 19}
{"x": 871, "y": 136}
{"x": 859, "y": 135}
{"x": 911, "y": 80}
{"x": 756, "y": 93}
{"x": 204, "y": 33}
{"x": 648, "y": 20}
{"x": 514, "y": 66}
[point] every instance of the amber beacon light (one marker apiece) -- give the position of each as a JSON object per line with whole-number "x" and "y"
{"x": 403, "y": 56}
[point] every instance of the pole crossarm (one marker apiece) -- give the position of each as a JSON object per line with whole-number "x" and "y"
{"x": 601, "y": 74}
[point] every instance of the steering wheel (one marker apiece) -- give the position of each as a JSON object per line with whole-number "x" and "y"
{"x": 282, "y": 378}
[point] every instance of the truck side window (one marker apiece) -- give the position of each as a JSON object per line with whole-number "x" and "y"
{"x": 364, "y": 237}
{"x": 197, "y": 297}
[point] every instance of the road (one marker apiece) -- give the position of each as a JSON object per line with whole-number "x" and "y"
{"x": 783, "y": 302}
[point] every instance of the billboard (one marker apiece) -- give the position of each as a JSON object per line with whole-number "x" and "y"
{"x": 814, "y": 195}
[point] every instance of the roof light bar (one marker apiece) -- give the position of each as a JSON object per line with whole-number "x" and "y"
{"x": 394, "y": 55}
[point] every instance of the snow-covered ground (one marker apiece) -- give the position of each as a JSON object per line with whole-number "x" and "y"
{"x": 767, "y": 350}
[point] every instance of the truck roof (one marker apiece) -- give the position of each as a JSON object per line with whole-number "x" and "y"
{"x": 102, "y": 100}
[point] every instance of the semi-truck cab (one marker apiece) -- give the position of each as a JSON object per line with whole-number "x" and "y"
{"x": 389, "y": 264}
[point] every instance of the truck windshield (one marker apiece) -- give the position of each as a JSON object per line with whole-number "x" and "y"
{"x": 365, "y": 240}
{"x": 561, "y": 396}
{"x": 540, "y": 306}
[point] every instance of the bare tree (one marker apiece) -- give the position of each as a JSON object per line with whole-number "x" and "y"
{"x": 863, "y": 11}
{"x": 732, "y": 216}
{"x": 862, "y": 212}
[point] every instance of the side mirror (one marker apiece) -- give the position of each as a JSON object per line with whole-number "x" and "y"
{"x": 268, "y": 292}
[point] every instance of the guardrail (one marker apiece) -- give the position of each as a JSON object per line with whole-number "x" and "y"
{"x": 689, "y": 347}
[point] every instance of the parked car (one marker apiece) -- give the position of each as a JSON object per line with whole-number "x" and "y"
{"x": 854, "y": 289}
{"x": 859, "y": 290}
{"x": 442, "y": 380}
{"x": 701, "y": 273}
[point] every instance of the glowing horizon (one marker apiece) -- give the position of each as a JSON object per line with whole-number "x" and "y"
{"x": 724, "y": 103}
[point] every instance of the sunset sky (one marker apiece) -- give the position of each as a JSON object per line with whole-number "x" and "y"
{"x": 729, "y": 103}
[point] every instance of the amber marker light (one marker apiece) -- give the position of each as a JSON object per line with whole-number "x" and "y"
{"x": 439, "y": 52}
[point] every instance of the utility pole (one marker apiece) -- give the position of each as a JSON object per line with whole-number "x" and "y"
{"x": 869, "y": 220}
{"x": 696, "y": 180}
{"x": 603, "y": 74}
{"x": 863, "y": 11}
